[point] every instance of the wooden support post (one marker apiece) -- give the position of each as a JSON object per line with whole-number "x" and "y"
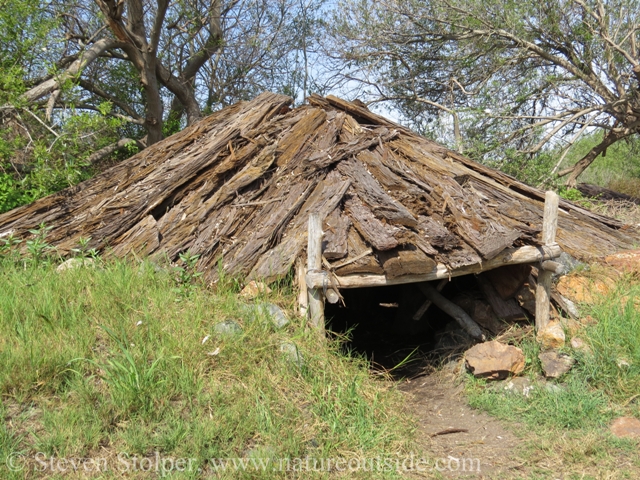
{"x": 543, "y": 289}
{"x": 301, "y": 273}
{"x": 314, "y": 264}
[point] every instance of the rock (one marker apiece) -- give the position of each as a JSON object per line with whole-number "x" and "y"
{"x": 553, "y": 388}
{"x": 578, "y": 344}
{"x": 520, "y": 385}
{"x": 571, "y": 307}
{"x": 276, "y": 314}
{"x": 552, "y": 336}
{"x": 626, "y": 427}
{"x": 625, "y": 262}
{"x": 228, "y": 327}
{"x": 75, "y": 263}
{"x": 291, "y": 352}
{"x": 581, "y": 289}
{"x": 253, "y": 289}
{"x": 568, "y": 262}
{"x": 494, "y": 360}
{"x": 555, "y": 364}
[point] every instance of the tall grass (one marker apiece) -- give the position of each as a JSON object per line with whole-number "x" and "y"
{"x": 115, "y": 358}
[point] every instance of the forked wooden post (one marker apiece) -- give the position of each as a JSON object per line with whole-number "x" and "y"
{"x": 314, "y": 264}
{"x": 543, "y": 290}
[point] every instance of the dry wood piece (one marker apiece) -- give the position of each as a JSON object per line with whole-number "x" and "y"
{"x": 553, "y": 267}
{"x": 508, "y": 280}
{"x": 359, "y": 258}
{"x": 370, "y": 191}
{"x": 405, "y": 261}
{"x": 508, "y": 310}
{"x": 314, "y": 262}
{"x": 451, "y": 309}
{"x": 511, "y": 256}
{"x": 379, "y": 235}
{"x": 543, "y": 290}
{"x": 425, "y": 306}
{"x": 303, "y": 299}
{"x": 335, "y": 234}
{"x": 605, "y": 194}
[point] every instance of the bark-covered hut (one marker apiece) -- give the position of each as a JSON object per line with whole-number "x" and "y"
{"x": 238, "y": 187}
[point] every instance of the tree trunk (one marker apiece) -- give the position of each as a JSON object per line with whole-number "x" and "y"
{"x": 612, "y": 137}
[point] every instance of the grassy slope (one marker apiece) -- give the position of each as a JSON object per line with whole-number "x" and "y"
{"x": 97, "y": 361}
{"x": 566, "y": 432}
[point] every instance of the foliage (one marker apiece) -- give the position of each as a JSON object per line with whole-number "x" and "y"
{"x": 159, "y": 377}
{"x": 525, "y": 75}
{"x": 77, "y": 92}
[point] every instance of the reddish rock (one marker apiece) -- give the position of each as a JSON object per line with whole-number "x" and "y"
{"x": 626, "y": 427}
{"x": 555, "y": 364}
{"x": 494, "y": 360}
{"x": 625, "y": 262}
{"x": 552, "y": 336}
{"x": 581, "y": 289}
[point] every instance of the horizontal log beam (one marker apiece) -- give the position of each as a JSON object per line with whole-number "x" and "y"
{"x": 510, "y": 256}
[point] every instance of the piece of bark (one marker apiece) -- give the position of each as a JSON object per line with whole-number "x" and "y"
{"x": 508, "y": 280}
{"x": 481, "y": 312}
{"x": 277, "y": 262}
{"x": 436, "y": 233}
{"x": 356, "y": 247}
{"x": 336, "y": 228}
{"x": 405, "y": 261}
{"x": 379, "y": 235}
{"x": 370, "y": 192}
{"x": 507, "y": 310}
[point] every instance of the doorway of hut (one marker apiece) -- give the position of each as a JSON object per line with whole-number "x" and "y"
{"x": 384, "y": 325}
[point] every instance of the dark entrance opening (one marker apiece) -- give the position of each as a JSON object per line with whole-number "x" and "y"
{"x": 380, "y": 325}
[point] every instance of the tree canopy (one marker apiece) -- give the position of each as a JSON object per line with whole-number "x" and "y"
{"x": 527, "y": 75}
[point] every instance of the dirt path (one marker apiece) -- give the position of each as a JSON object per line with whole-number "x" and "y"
{"x": 460, "y": 439}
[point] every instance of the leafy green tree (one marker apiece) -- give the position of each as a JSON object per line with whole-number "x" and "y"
{"x": 523, "y": 75}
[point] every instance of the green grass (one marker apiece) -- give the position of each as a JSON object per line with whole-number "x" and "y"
{"x": 113, "y": 359}
{"x": 567, "y": 429}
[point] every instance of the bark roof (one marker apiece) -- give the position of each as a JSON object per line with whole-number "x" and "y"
{"x": 237, "y": 188}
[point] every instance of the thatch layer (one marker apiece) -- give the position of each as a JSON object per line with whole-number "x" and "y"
{"x": 237, "y": 188}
